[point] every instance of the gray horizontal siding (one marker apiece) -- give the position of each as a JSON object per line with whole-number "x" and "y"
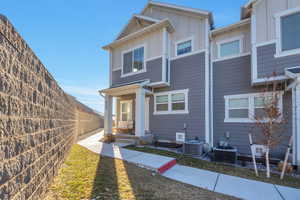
{"x": 267, "y": 63}
{"x": 185, "y": 73}
{"x": 232, "y": 77}
{"x": 153, "y": 73}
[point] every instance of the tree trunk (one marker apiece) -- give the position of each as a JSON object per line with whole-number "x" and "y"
{"x": 268, "y": 162}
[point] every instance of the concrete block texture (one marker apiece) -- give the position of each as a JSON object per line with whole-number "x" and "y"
{"x": 38, "y": 121}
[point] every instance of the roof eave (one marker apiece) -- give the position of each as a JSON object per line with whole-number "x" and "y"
{"x": 181, "y": 8}
{"x": 161, "y": 24}
{"x": 231, "y": 26}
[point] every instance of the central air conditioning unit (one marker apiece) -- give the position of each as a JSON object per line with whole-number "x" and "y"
{"x": 190, "y": 147}
{"x": 194, "y": 147}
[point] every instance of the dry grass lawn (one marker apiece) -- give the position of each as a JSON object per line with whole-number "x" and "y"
{"x": 86, "y": 175}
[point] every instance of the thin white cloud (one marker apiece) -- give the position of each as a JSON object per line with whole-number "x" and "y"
{"x": 86, "y": 95}
{"x": 81, "y": 90}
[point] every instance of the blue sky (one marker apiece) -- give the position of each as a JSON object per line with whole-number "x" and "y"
{"x": 67, "y": 35}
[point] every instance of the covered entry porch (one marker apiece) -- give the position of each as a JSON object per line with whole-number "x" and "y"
{"x": 131, "y": 109}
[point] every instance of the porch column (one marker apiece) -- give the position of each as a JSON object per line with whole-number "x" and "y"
{"x": 108, "y": 115}
{"x": 296, "y": 124}
{"x": 140, "y": 112}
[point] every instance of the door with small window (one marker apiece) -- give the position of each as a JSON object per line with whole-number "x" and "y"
{"x": 125, "y": 111}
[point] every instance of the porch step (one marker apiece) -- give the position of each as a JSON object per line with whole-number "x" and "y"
{"x": 126, "y": 136}
{"x": 125, "y": 141}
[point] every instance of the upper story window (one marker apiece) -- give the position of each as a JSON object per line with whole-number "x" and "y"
{"x": 184, "y": 47}
{"x": 288, "y": 32}
{"x": 172, "y": 102}
{"x": 230, "y": 48}
{"x": 133, "y": 61}
{"x": 245, "y": 107}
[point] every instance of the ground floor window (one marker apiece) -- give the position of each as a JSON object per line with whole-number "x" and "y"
{"x": 171, "y": 102}
{"x": 245, "y": 107}
{"x": 125, "y": 111}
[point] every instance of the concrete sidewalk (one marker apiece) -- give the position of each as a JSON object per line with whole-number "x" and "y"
{"x": 221, "y": 183}
{"x": 146, "y": 160}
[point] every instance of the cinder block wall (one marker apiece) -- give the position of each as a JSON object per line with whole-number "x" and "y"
{"x": 88, "y": 122}
{"x": 38, "y": 121}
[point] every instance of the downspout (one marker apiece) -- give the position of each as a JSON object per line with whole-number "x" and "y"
{"x": 164, "y": 54}
{"x": 211, "y": 93}
{"x": 207, "y": 83}
{"x": 295, "y": 87}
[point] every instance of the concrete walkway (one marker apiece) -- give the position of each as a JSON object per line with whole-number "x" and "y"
{"x": 145, "y": 160}
{"x": 221, "y": 183}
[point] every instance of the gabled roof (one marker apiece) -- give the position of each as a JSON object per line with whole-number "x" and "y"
{"x": 231, "y": 27}
{"x": 132, "y": 19}
{"x": 180, "y": 8}
{"x": 156, "y": 26}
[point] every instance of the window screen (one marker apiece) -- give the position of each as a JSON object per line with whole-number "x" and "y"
{"x": 230, "y": 48}
{"x": 184, "y": 47}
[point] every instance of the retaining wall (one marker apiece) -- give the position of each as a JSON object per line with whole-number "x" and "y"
{"x": 38, "y": 121}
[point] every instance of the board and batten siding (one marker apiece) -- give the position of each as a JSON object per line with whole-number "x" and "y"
{"x": 153, "y": 48}
{"x": 231, "y": 77}
{"x": 265, "y": 20}
{"x": 186, "y": 26}
{"x": 243, "y": 32}
{"x": 186, "y": 73}
{"x": 153, "y": 73}
{"x": 267, "y": 63}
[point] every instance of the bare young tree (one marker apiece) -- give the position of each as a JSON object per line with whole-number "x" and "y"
{"x": 269, "y": 119}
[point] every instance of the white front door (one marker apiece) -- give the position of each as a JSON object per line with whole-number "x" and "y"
{"x": 147, "y": 114}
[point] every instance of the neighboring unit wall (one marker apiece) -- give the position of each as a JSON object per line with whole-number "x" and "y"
{"x": 242, "y": 32}
{"x": 186, "y": 73}
{"x": 186, "y": 26}
{"x": 231, "y": 77}
{"x": 267, "y": 63}
{"x": 265, "y": 20}
{"x": 38, "y": 121}
{"x": 267, "y": 60}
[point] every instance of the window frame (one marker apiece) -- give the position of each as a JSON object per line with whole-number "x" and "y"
{"x": 182, "y": 41}
{"x": 170, "y": 111}
{"x": 251, "y": 106}
{"x": 129, "y": 102}
{"x": 161, "y": 103}
{"x": 278, "y": 17}
{"x": 220, "y": 43}
{"x": 132, "y": 65}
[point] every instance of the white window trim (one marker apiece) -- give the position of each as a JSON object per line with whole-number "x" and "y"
{"x": 251, "y": 107}
{"x": 184, "y": 40}
{"x": 130, "y": 113}
{"x": 170, "y": 111}
{"x": 219, "y": 43}
{"x": 278, "y": 16}
{"x": 144, "y": 64}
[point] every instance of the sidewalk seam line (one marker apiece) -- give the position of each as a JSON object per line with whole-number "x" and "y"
{"x": 278, "y": 192}
{"x": 129, "y": 157}
{"x": 216, "y": 181}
